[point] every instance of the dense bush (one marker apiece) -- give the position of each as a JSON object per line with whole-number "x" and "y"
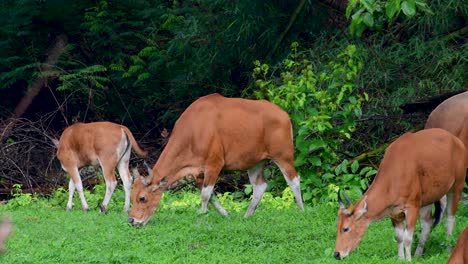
{"x": 323, "y": 105}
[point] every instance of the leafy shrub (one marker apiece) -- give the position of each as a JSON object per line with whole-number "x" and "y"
{"x": 19, "y": 199}
{"x": 323, "y": 107}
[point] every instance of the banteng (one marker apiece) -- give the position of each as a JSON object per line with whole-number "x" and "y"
{"x": 452, "y": 115}
{"x": 460, "y": 252}
{"x": 216, "y": 133}
{"x": 103, "y": 143}
{"x": 417, "y": 170}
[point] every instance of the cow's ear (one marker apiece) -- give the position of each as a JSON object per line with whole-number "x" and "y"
{"x": 162, "y": 184}
{"x": 136, "y": 173}
{"x": 361, "y": 211}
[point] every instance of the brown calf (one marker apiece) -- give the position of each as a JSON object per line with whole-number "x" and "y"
{"x": 216, "y": 133}
{"x": 103, "y": 143}
{"x": 417, "y": 170}
{"x": 460, "y": 252}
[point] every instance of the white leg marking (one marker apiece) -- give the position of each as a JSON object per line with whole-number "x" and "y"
{"x": 258, "y": 191}
{"x": 127, "y": 183}
{"x": 443, "y": 204}
{"x": 79, "y": 188}
{"x": 408, "y": 240}
{"x": 218, "y": 206}
{"x": 426, "y": 224}
{"x": 399, "y": 235}
{"x": 258, "y": 188}
{"x": 110, "y": 187}
{"x": 71, "y": 191}
{"x": 450, "y": 216}
{"x": 296, "y": 189}
{"x": 205, "y": 197}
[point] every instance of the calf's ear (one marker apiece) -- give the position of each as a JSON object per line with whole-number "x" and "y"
{"x": 135, "y": 173}
{"x": 162, "y": 184}
{"x": 361, "y": 211}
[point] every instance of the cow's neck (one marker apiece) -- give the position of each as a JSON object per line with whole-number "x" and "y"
{"x": 175, "y": 163}
{"x": 379, "y": 201}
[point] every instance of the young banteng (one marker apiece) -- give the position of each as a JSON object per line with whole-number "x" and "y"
{"x": 216, "y": 133}
{"x": 460, "y": 252}
{"x": 416, "y": 171}
{"x": 103, "y": 143}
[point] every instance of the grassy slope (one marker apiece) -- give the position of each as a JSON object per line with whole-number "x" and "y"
{"x": 52, "y": 235}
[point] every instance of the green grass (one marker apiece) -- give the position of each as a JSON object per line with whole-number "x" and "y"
{"x": 277, "y": 233}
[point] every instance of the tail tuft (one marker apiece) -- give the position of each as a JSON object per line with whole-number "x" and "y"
{"x": 438, "y": 213}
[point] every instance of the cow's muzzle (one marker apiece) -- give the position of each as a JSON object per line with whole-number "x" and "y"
{"x": 337, "y": 255}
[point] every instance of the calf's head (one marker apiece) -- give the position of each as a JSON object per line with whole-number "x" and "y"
{"x": 146, "y": 195}
{"x": 352, "y": 225}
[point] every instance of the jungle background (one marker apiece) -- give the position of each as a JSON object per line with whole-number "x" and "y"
{"x": 353, "y": 75}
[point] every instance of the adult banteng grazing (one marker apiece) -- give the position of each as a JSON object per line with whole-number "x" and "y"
{"x": 460, "y": 252}
{"x": 103, "y": 143}
{"x": 452, "y": 115}
{"x": 216, "y": 133}
{"x": 416, "y": 171}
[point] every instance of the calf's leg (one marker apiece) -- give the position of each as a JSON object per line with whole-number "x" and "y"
{"x": 425, "y": 215}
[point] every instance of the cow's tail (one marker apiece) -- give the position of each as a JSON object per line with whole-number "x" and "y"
{"x": 133, "y": 142}
{"x": 439, "y": 210}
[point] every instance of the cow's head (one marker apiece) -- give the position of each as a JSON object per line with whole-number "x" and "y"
{"x": 146, "y": 195}
{"x": 352, "y": 225}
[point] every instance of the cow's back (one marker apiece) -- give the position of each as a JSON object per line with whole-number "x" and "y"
{"x": 84, "y": 142}
{"x": 235, "y": 127}
{"x": 452, "y": 115}
{"x": 431, "y": 160}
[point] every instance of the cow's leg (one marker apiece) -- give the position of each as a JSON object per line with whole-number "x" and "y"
{"x": 453, "y": 198}
{"x": 78, "y": 185}
{"x": 71, "y": 191}
{"x": 292, "y": 178}
{"x": 425, "y": 215}
{"x": 210, "y": 176}
{"x": 126, "y": 180}
{"x": 108, "y": 170}
{"x": 399, "y": 235}
{"x": 411, "y": 217}
{"x": 213, "y": 200}
{"x": 259, "y": 186}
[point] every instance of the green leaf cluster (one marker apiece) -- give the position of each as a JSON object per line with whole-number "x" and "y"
{"x": 323, "y": 107}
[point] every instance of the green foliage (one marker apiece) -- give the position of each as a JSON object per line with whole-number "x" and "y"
{"x": 19, "y": 199}
{"x": 323, "y": 107}
{"x": 375, "y": 14}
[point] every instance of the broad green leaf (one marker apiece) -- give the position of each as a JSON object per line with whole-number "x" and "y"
{"x": 391, "y": 8}
{"x": 315, "y": 161}
{"x": 368, "y": 19}
{"x": 408, "y": 7}
{"x": 354, "y": 166}
{"x": 423, "y": 6}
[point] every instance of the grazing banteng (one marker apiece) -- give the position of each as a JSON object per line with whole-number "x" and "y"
{"x": 103, "y": 143}
{"x": 416, "y": 171}
{"x": 460, "y": 252}
{"x": 216, "y": 133}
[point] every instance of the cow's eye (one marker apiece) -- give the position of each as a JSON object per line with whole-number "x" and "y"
{"x": 346, "y": 229}
{"x": 142, "y": 199}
